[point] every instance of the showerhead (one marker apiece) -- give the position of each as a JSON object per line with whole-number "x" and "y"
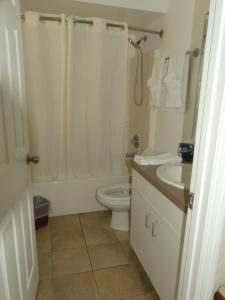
{"x": 132, "y": 42}
{"x": 144, "y": 39}
{"x": 136, "y": 45}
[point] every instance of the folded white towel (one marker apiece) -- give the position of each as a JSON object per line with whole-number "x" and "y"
{"x": 153, "y": 84}
{"x": 159, "y": 159}
{"x": 176, "y": 82}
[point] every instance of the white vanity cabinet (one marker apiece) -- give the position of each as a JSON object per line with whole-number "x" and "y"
{"x": 156, "y": 230}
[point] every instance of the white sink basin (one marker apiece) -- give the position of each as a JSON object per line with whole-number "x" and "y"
{"x": 178, "y": 175}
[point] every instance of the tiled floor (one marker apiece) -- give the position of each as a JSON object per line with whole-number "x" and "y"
{"x": 82, "y": 258}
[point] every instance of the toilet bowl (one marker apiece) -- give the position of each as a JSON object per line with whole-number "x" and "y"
{"x": 117, "y": 198}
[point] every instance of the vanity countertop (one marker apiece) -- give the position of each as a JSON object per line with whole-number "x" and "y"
{"x": 176, "y": 196}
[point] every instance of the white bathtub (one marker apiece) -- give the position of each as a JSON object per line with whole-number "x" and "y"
{"x": 74, "y": 196}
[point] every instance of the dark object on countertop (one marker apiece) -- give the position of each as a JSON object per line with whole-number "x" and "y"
{"x": 218, "y": 296}
{"x": 41, "y": 211}
{"x": 186, "y": 151}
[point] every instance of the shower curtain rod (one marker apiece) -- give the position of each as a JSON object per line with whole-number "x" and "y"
{"x": 134, "y": 28}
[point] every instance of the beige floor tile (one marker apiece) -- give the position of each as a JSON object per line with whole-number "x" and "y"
{"x": 107, "y": 255}
{"x": 122, "y": 235}
{"x": 148, "y": 296}
{"x": 96, "y": 227}
{"x": 142, "y": 276}
{"x": 64, "y": 223}
{"x": 117, "y": 283}
{"x": 99, "y": 235}
{"x": 68, "y": 262}
{"x": 45, "y": 291}
{"x": 43, "y": 236}
{"x": 130, "y": 254}
{"x": 99, "y": 218}
{"x": 45, "y": 266}
{"x": 75, "y": 287}
{"x": 153, "y": 295}
{"x": 69, "y": 239}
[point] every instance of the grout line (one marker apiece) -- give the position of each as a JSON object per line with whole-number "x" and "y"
{"x": 92, "y": 270}
{"x": 85, "y": 243}
{"x": 132, "y": 297}
{"x": 124, "y": 251}
{"x": 117, "y": 241}
{"x": 106, "y": 268}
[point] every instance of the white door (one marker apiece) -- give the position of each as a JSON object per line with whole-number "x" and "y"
{"x": 205, "y": 223}
{"x": 18, "y": 258}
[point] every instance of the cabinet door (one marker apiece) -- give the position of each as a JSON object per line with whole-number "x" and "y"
{"x": 141, "y": 228}
{"x": 156, "y": 226}
{"x": 164, "y": 261}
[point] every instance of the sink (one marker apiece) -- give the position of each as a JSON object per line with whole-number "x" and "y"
{"x": 178, "y": 175}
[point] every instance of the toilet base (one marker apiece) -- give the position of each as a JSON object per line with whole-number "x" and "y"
{"x": 120, "y": 220}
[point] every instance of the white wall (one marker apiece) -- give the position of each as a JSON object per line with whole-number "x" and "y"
{"x": 135, "y": 17}
{"x": 166, "y": 128}
{"x": 138, "y": 116}
{"x": 190, "y": 116}
{"x": 147, "y": 5}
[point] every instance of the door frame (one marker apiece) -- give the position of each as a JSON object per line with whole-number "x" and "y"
{"x": 205, "y": 222}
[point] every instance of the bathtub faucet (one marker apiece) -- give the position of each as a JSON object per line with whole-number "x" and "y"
{"x": 130, "y": 154}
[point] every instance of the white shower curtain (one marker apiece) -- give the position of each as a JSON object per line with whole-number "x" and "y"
{"x": 76, "y": 91}
{"x": 45, "y": 70}
{"x": 96, "y": 98}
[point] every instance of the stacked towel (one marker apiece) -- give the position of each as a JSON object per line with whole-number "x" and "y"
{"x": 159, "y": 159}
{"x": 176, "y": 82}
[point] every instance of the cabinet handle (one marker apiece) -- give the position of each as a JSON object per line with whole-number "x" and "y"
{"x": 155, "y": 229}
{"x": 148, "y": 220}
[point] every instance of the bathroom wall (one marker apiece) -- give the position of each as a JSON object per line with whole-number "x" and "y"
{"x": 150, "y": 5}
{"x": 190, "y": 117}
{"x": 139, "y": 116}
{"x": 134, "y": 17}
{"x": 166, "y": 128}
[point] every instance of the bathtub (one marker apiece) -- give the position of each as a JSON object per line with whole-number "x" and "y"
{"x": 74, "y": 196}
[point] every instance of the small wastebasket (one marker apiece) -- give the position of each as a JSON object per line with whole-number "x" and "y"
{"x": 41, "y": 211}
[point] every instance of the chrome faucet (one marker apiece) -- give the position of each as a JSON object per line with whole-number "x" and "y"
{"x": 135, "y": 141}
{"x": 130, "y": 154}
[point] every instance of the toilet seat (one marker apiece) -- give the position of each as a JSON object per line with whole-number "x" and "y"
{"x": 114, "y": 195}
{"x": 117, "y": 198}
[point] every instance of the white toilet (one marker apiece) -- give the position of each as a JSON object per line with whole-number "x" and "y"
{"x": 117, "y": 198}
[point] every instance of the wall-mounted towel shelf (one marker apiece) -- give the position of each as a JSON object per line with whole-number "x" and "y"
{"x": 194, "y": 52}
